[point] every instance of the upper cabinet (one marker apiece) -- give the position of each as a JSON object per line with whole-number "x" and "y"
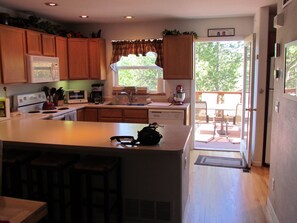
{"x": 87, "y": 58}
{"x": 48, "y": 45}
{"x": 40, "y": 43}
{"x": 97, "y": 59}
{"x": 12, "y": 54}
{"x": 78, "y": 58}
{"x": 61, "y": 53}
{"x": 178, "y": 57}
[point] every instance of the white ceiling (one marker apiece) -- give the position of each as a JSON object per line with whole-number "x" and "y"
{"x": 109, "y": 11}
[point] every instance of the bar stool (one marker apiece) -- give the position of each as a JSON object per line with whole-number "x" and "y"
{"x": 15, "y": 172}
{"x": 93, "y": 166}
{"x": 48, "y": 173}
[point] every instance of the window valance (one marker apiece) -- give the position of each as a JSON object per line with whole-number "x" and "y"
{"x": 137, "y": 47}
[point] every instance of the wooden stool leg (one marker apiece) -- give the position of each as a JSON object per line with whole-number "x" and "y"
{"x": 119, "y": 193}
{"x": 40, "y": 186}
{"x": 76, "y": 211}
{"x": 89, "y": 198}
{"x": 62, "y": 197}
{"x": 106, "y": 199}
{"x": 16, "y": 182}
{"x": 49, "y": 196}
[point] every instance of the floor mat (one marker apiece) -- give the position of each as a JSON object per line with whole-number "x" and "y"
{"x": 220, "y": 161}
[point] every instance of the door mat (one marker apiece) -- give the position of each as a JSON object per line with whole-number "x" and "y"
{"x": 220, "y": 161}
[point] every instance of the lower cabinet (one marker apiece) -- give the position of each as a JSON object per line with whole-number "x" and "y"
{"x": 135, "y": 115}
{"x": 80, "y": 114}
{"x": 110, "y": 115}
{"x": 91, "y": 115}
{"x": 113, "y": 115}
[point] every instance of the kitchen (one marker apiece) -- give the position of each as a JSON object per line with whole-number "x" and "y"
{"x": 243, "y": 26}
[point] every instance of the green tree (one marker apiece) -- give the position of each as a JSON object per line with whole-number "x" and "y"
{"x": 139, "y": 71}
{"x": 219, "y": 66}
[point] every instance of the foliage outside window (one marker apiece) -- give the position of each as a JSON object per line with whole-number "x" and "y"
{"x": 140, "y": 71}
{"x": 219, "y": 66}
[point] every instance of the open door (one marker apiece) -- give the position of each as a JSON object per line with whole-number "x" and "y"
{"x": 248, "y": 99}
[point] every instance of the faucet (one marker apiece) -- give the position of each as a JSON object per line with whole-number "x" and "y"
{"x": 130, "y": 96}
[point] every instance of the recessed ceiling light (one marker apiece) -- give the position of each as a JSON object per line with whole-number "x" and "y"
{"x": 84, "y": 16}
{"x": 51, "y": 4}
{"x": 128, "y": 17}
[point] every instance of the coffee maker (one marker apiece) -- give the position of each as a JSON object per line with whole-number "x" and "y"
{"x": 96, "y": 95}
{"x": 179, "y": 96}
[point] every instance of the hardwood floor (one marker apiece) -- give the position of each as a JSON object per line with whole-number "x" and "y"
{"x": 227, "y": 195}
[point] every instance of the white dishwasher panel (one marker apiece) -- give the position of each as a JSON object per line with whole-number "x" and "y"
{"x": 161, "y": 116}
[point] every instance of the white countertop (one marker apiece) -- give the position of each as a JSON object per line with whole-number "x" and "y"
{"x": 89, "y": 134}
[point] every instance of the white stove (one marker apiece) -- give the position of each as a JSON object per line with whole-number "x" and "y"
{"x": 32, "y": 104}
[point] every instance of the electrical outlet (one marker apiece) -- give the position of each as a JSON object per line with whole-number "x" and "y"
{"x": 272, "y": 184}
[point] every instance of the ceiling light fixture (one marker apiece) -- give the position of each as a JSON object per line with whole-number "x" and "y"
{"x": 128, "y": 17}
{"x": 51, "y": 4}
{"x": 84, "y": 16}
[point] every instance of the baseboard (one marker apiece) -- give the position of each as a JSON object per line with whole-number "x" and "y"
{"x": 272, "y": 218}
{"x": 256, "y": 163}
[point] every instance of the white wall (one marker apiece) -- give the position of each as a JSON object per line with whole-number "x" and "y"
{"x": 283, "y": 138}
{"x": 129, "y": 31}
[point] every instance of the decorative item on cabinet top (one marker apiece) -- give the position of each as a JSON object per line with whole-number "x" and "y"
{"x": 175, "y": 32}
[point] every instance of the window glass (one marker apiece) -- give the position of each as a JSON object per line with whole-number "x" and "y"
{"x": 140, "y": 71}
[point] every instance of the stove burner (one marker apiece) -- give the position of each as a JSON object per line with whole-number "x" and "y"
{"x": 34, "y": 111}
{"x": 63, "y": 108}
{"x": 49, "y": 112}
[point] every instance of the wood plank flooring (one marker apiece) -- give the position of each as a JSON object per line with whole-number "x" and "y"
{"x": 226, "y": 195}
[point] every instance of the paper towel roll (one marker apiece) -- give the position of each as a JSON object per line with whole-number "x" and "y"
{"x": 160, "y": 86}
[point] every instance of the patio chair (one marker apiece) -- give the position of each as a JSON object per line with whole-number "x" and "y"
{"x": 205, "y": 130}
{"x": 236, "y": 121}
{"x": 211, "y": 99}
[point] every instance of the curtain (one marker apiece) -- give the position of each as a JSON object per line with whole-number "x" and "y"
{"x": 126, "y": 47}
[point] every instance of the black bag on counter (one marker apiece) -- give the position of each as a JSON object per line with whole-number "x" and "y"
{"x": 148, "y": 136}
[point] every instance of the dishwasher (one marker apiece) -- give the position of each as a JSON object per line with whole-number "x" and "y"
{"x": 162, "y": 116}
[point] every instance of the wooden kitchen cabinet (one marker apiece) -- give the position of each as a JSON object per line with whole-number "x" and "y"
{"x": 80, "y": 114}
{"x": 97, "y": 59}
{"x": 135, "y": 115}
{"x": 78, "y": 58}
{"x": 91, "y": 114}
{"x": 61, "y": 53}
{"x": 40, "y": 43}
{"x": 110, "y": 115}
{"x": 12, "y": 53}
{"x": 48, "y": 45}
{"x": 34, "y": 43}
{"x": 178, "y": 57}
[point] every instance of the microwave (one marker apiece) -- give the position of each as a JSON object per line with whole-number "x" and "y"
{"x": 43, "y": 69}
{"x": 76, "y": 96}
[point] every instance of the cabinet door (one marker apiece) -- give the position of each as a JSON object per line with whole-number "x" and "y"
{"x": 136, "y": 115}
{"x": 80, "y": 113}
{"x": 13, "y": 50}
{"x": 178, "y": 57}
{"x": 34, "y": 43}
{"x": 78, "y": 58}
{"x": 97, "y": 59}
{"x": 90, "y": 114}
{"x": 110, "y": 115}
{"x": 48, "y": 45}
{"x": 61, "y": 53}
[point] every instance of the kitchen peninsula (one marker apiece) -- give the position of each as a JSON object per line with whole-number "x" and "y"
{"x": 157, "y": 174}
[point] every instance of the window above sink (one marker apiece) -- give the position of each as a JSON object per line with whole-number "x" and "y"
{"x": 139, "y": 71}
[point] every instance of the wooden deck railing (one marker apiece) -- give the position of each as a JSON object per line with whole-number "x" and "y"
{"x": 220, "y": 95}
